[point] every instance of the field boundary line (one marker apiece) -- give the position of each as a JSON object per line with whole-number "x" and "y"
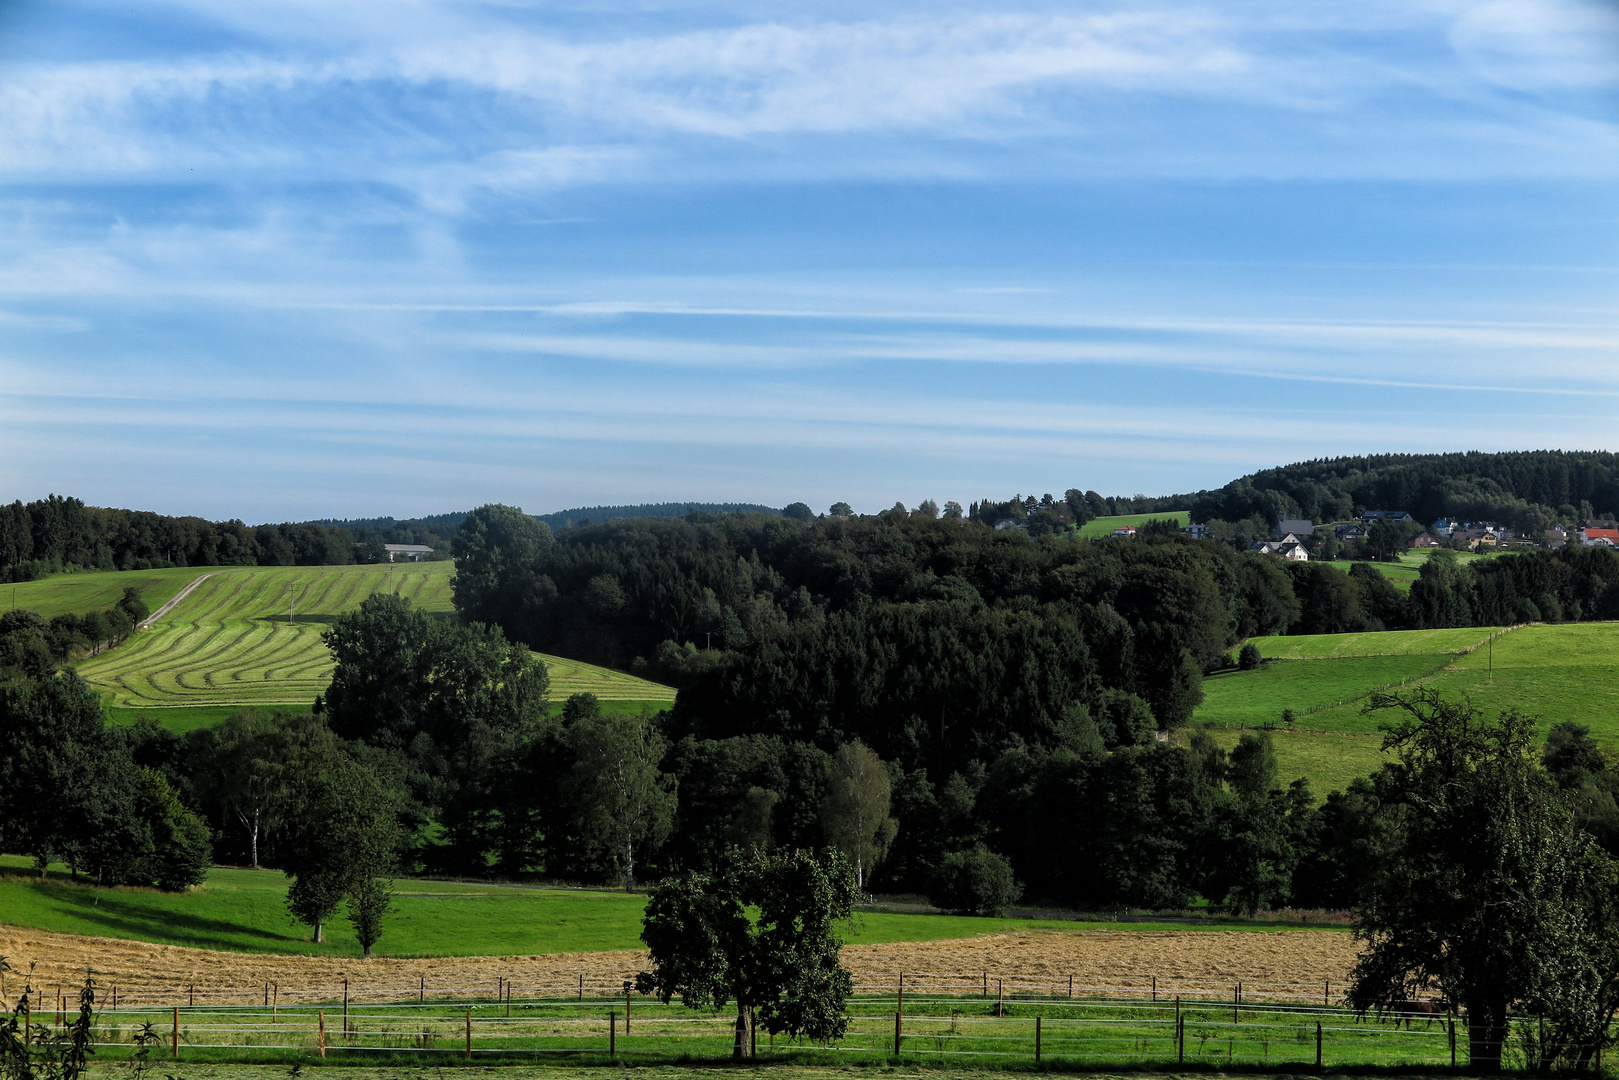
{"x": 146, "y": 623}
{"x": 1449, "y": 659}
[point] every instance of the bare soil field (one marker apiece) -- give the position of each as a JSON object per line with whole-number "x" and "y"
{"x": 1283, "y": 963}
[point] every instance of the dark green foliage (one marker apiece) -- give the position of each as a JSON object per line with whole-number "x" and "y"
{"x": 780, "y": 968}
{"x": 43, "y": 1053}
{"x": 621, "y": 799}
{"x": 1484, "y": 891}
{"x": 1248, "y": 658}
{"x": 342, "y": 831}
{"x": 370, "y": 900}
{"x": 1526, "y": 490}
{"x": 180, "y": 850}
{"x": 974, "y": 882}
{"x": 1123, "y": 719}
{"x": 458, "y": 703}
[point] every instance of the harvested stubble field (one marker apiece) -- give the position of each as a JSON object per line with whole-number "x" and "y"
{"x": 1190, "y": 961}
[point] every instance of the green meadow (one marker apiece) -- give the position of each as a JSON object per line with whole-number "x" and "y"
{"x": 251, "y": 637}
{"x": 62, "y": 594}
{"x": 1554, "y": 672}
{"x": 1104, "y": 526}
{"x": 244, "y": 911}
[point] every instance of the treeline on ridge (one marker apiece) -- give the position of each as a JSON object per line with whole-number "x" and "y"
{"x": 54, "y": 534}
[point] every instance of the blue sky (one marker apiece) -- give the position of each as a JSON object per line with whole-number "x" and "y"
{"x": 289, "y": 260}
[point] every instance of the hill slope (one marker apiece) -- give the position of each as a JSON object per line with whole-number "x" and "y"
{"x": 234, "y": 642}
{"x": 1556, "y": 672}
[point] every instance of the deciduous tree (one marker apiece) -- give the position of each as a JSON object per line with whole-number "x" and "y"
{"x": 780, "y": 967}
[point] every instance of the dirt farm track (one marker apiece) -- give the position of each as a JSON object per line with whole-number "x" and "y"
{"x": 1181, "y": 961}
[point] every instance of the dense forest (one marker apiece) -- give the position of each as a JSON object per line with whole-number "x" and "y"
{"x": 947, "y": 702}
{"x": 1528, "y": 490}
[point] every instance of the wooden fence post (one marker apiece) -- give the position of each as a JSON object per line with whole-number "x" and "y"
{"x": 176, "y": 1043}
{"x": 275, "y": 1001}
{"x": 1235, "y": 997}
{"x": 421, "y": 991}
{"x": 1036, "y": 1038}
{"x": 986, "y": 984}
{"x": 612, "y": 1034}
{"x": 1452, "y": 1020}
{"x": 581, "y": 988}
{"x": 1000, "y": 997}
{"x": 322, "y": 1015}
{"x": 1070, "y": 986}
{"x": 899, "y": 997}
{"x": 1318, "y": 1044}
{"x": 193, "y": 1000}
{"x": 626, "y": 1006}
{"x": 1180, "y": 1033}
{"x": 345, "y": 1006}
{"x": 469, "y": 1034}
{"x": 1155, "y": 989}
{"x": 897, "y": 1035}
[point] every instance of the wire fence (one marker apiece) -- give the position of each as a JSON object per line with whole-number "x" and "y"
{"x": 961, "y": 1015}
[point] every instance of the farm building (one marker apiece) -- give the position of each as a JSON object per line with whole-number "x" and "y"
{"x": 1599, "y": 537}
{"x": 1125, "y": 531}
{"x": 407, "y": 552}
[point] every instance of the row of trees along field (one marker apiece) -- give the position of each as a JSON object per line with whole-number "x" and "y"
{"x": 56, "y": 533}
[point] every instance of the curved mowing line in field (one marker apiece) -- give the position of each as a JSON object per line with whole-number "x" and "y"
{"x": 229, "y": 642}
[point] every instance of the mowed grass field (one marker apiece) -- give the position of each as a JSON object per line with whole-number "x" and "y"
{"x": 245, "y": 911}
{"x": 230, "y": 644}
{"x": 75, "y": 594}
{"x": 1553, "y": 672}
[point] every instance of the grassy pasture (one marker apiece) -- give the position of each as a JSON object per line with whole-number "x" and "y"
{"x": 1254, "y": 698}
{"x": 1555, "y": 672}
{"x": 244, "y": 911}
{"x": 1381, "y": 643}
{"x": 229, "y": 644}
{"x": 1104, "y": 526}
{"x": 76, "y": 594}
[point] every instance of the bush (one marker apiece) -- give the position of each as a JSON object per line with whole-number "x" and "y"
{"x": 975, "y": 882}
{"x": 1249, "y": 657}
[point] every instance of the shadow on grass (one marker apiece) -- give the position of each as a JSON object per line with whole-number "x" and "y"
{"x": 298, "y": 619}
{"x": 119, "y": 917}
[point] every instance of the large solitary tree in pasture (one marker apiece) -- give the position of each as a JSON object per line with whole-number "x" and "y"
{"x": 780, "y": 968}
{"x": 1486, "y": 891}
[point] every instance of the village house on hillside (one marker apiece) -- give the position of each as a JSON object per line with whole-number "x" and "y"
{"x": 1595, "y": 537}
{"x": 1125, "y": 531}
{"x": 1288, "y": 547}
{"x": 1298, "y": 527}
{"x": 1426, "y": 540}
{"x": 1398, "y": 517}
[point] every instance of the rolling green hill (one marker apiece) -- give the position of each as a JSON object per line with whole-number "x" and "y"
{"x": 1556, "y": 672}
{"x": 1104, "y": 526}
{"x": 233, "y": 642}
{"x": 76, "y": 594}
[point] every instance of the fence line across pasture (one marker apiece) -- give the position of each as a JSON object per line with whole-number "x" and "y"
{"x": 922, "y": 1014}
{"x": 583, "y": 987}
